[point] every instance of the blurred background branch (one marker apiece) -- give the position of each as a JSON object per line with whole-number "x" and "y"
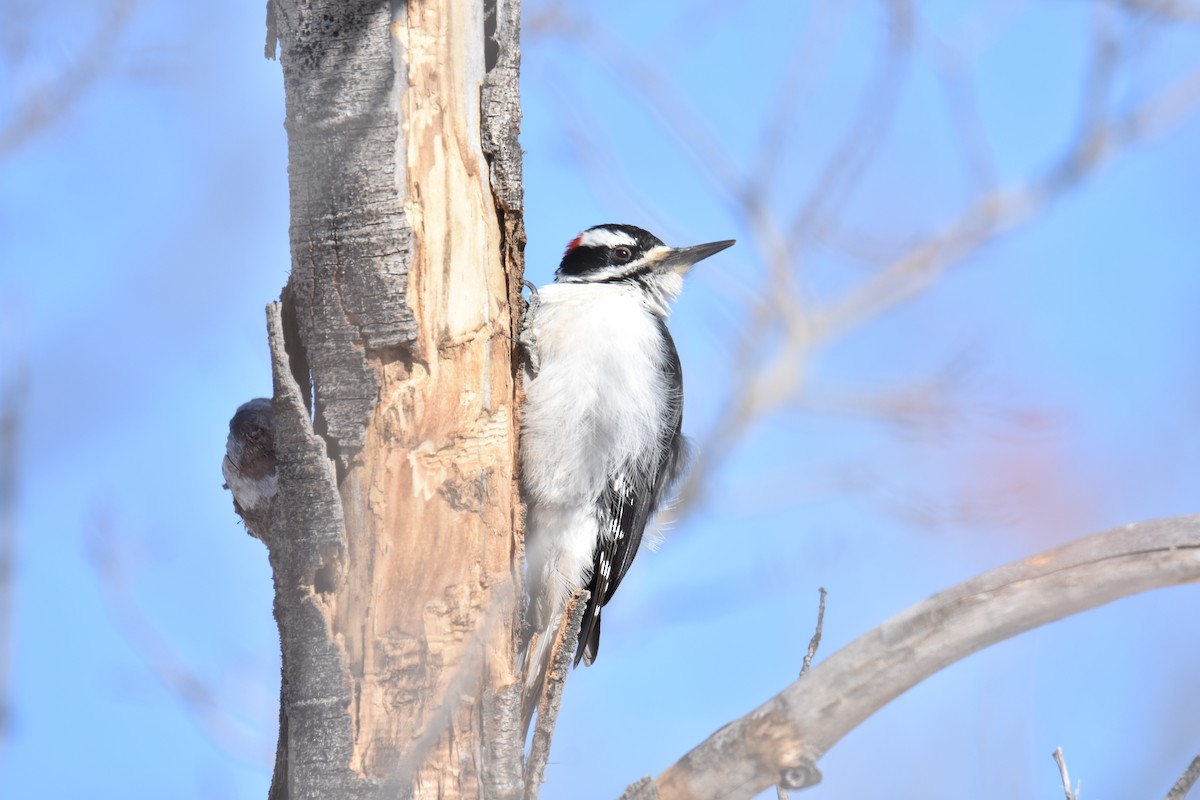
{"x": 14, "y": 396}
{"x": 198, "y": 695}
{"x": 787, "y": 328}
{"x": 42, "y": 97}
{"x": 959, "y": 326}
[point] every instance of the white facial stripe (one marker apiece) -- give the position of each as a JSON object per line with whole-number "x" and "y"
{"x": 603, "y": 237}
{"x": 595, "y": 276}
{"x": 618, "y": 270}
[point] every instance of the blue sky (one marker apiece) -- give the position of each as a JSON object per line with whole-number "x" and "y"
{"x": 142, "y": 234}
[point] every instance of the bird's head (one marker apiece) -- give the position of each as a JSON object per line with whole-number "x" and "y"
{"x": 627, "y": 254}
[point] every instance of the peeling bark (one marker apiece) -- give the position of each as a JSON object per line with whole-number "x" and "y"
{"x": 394, "y": 536}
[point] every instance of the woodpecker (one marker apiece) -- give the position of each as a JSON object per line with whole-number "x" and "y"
{"x": 601, "y": 441}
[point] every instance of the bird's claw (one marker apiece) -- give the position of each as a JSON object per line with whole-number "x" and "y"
{"x": 526, "y": 339}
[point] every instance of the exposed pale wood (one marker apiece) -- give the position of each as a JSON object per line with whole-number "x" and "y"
{"x": 781, "y": 741}
{"x": 394, "y": 539}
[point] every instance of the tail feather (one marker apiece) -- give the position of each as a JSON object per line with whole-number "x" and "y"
{"x": 535, "y": 657}
{"x": 591, "y": 645}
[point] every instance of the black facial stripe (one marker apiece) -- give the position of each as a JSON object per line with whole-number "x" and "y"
{"x": 584, "y": 260}
{"x": 629, "y": 276}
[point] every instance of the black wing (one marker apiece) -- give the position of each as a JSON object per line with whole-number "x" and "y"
{"x": 627, "y": 505}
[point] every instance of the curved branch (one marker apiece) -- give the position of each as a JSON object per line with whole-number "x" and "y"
{"x": 781, "y": 740}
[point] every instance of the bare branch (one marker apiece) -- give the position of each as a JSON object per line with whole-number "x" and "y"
{"x": 1186, "y": 781}
{"x": 763, "y": 386}
{"x": 610, "y": 50}
{"x": 964, "y": 113}
{"x": 1168, "y": 10}
{"x": 1062, "y": 771}
{"x": 815, "y": 641}
{"x": 14, "y": 397}
{"x": 781, "y": 793}
{"x": 790, "y": 732}
{"x": 50, "y": 103}
{"x": 845, "y": 167}
{"x": 1001, "y": 211}
{"x": 556, "y": 679}
{"x": 809, "y": 56}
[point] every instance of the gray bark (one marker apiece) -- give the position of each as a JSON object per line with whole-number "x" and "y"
{"x": 394, "y": 536}
{"x": 351, "y": 239}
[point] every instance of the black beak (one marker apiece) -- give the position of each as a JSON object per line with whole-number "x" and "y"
{"x": 682, "y": 259}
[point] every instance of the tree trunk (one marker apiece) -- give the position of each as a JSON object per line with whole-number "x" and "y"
{"x": 394, "y": 536}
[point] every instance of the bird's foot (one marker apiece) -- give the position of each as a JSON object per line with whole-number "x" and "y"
{"x": 526, "y": 339}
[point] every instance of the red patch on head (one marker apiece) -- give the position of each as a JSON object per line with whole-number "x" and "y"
{"x": 571, "y": 245}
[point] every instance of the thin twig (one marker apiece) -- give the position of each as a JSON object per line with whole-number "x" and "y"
{"x": 815, "y": 641}
{"x": 1167, "y": 10}
{"x": 811, "y": 56}
{"x": 1186, "y": 781}
{"x": 877, "y": 106}
{"x": 963, "y": 105}
{"x": 14, "y": 398}
{"x": 1062, "y": 771}
{"x": 561, "y": 653}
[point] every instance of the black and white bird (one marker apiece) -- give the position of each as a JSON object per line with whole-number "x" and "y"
{"x": 601, "y": 446}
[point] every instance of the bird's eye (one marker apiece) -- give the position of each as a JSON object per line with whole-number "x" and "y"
{"x": 622, "y": 255}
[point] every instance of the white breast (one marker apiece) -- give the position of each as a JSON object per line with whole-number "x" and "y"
{"x": 597, "y": 403}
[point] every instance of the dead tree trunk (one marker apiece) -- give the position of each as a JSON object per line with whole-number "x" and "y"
{"x": 394, "y": 534}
